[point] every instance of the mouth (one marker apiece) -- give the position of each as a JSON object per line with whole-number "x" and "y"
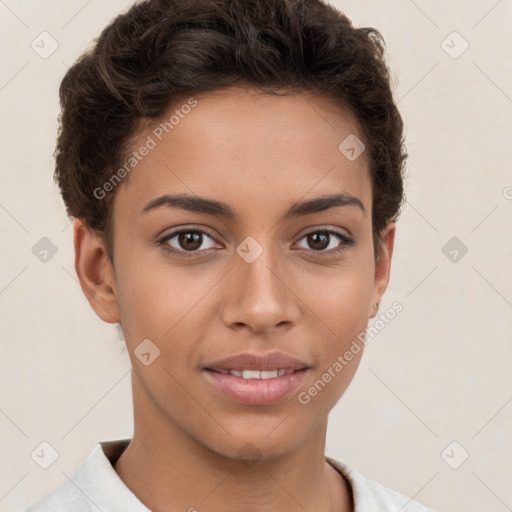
{"x": 257, "y": 374}
{"x": 256, "y": 387}
{"x": 255, "y": 378}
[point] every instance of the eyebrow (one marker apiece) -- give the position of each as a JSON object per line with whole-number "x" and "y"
{"x": 198, "y": 204}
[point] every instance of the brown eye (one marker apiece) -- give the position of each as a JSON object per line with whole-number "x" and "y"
{"x": 318, "y": 241}
{"x": 185, "y": 241}
{"x": 324, "y": 241}
{"x": 190, "y": 241}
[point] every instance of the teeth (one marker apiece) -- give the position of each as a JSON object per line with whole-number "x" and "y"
{"x": 257, "y": 374}
{"x": 270, "y": 374}
{"x": 251, "y": 374}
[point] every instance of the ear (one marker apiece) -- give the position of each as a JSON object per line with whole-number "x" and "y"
{"x": 383, "y": 266}
{"x": 95, "y": 272}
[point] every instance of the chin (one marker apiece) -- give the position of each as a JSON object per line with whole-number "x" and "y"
{"x": 251, "y": 446}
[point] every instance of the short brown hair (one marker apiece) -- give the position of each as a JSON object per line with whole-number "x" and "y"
{"x": 159, "y": 50}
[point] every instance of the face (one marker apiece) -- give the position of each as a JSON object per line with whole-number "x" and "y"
{"x": 256, "y": 275}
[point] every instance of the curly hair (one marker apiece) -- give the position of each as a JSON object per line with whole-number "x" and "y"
{"x": 161, "y": 50}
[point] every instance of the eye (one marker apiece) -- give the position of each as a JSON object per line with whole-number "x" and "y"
{"x": 323, "y": 239}
{"x": 189, "y": 242}
{"x": 186, "y": 241}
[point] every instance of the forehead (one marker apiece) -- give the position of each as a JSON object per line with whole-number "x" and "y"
{"x": 237, "y": 144}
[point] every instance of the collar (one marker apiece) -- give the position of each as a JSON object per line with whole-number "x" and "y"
{"x": 98, "y": 480}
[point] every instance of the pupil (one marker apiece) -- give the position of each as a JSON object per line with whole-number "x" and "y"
{"x": 193, "y": 237}
{"x": 314, "y": 238}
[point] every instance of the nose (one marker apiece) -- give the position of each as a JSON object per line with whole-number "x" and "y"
{"x": 260, "y": 296}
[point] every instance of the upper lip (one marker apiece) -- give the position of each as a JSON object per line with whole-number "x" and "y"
{"x": 266, "y": 362}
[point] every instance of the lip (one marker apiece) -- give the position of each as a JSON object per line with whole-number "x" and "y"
{"x": 249, "y": 361}
{"x": 256, "y": 391}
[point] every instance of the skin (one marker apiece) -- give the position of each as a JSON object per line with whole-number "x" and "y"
{"x": 260, "y": 154}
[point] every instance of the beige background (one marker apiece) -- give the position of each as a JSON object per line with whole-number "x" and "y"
{"x": 438, "y": 373}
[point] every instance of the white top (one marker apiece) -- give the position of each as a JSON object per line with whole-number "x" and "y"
{"x": 96, "y": 487}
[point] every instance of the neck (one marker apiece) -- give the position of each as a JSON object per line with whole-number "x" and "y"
{"x": 169, "y": 470}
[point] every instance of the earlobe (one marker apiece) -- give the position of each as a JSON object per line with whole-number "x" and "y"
{"x": 95, "y": 272}
{"x": 383, "y": 266}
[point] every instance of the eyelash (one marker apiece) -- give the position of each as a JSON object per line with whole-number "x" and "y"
{"x": 346, "y": 240}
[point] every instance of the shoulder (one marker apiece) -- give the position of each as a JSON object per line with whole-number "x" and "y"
{"x": 95, "y": 486}
{"x": 91, "y": 488}
{"x": 370, "y": 495}
{"x": 64, "y": 498}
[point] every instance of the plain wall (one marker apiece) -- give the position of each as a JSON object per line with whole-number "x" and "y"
{"x": 438, "y": 373}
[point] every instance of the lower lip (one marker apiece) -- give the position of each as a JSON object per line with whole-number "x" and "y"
{"x": 256, "y": 391}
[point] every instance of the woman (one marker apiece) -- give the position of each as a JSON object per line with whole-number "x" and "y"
{"x": 234, "y": 169}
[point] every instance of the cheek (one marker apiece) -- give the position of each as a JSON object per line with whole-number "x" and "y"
{"x": 162, "y": 302}
{"x": 339, "y": 343}
{"x": 346, "y": 305}
{"x": 166, "y": 305}
{"x": 341, "y": 308}
{"x": 144, "y": 291}
{"x": 344, "y": 293}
